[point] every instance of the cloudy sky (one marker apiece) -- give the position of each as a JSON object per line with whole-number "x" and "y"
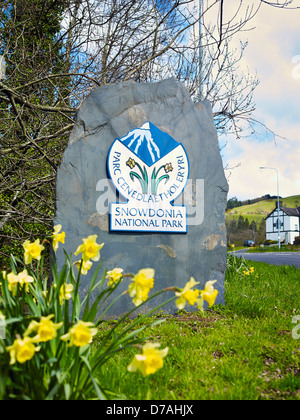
{"x": 274, "y": 53}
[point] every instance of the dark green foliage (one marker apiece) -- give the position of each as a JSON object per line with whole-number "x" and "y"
{"x": 32, "y": 138}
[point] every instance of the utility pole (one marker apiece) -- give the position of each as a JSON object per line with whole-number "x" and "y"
{"x": 278, "y": 219}
{"x": 200, "y": 92}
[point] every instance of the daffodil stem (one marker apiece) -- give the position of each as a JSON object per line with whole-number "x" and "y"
{"x": 109, "y": 306}
{"x": 76, "y": 290}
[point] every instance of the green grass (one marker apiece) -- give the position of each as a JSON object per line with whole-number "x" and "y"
{"x": 283, "y": 248}
{"x": 243, "y": 351}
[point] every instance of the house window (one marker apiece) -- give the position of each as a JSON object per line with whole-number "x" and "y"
{"x": 275, "y": 225}
{"x": 296, "y": 227}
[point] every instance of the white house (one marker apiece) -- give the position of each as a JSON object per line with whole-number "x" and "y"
{"x": 289, "y": 222}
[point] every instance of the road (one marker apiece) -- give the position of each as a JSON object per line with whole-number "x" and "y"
{"x": 276, "y": 258}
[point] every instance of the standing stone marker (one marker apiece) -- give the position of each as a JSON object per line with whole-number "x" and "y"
{"x": 143, "y": 171}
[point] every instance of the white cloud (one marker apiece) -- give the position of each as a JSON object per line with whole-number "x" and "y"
{"x": 271, "y": 51}
{"x": 248, "y": 181}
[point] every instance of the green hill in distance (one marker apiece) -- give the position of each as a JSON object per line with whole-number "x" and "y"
{"x": 260, "y": 210}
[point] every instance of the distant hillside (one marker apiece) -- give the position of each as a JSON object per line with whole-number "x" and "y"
{"x": 259, "y": 210}
{"x": 235, "y": 202}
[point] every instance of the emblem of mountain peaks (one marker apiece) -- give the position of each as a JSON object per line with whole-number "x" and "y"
{"x": 149, "y": 143}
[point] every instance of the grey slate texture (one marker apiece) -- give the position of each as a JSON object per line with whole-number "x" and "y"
{"x": 108, "y": 113}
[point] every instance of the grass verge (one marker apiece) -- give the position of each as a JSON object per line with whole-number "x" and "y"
{"x": 247, "y": 350}
{"x": 283, "y": 248}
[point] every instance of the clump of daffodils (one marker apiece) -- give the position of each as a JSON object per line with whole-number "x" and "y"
{"x": 248, "y": 272}
{"x": 24, "y": 349}
{"x": 195, "y": 296}
{"x": 59, "y": 326}
{"x": 15, "y": 281}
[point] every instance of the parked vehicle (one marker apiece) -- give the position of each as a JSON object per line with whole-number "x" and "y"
{"x": 249, "y": 243}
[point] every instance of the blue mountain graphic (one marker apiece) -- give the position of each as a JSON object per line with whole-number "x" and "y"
{"x": 149, "y": 143}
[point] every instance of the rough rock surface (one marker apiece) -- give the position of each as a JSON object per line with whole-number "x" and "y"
{"x": 83, "y": 192}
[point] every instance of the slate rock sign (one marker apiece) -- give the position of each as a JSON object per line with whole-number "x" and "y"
{"x": 143, "y": 171}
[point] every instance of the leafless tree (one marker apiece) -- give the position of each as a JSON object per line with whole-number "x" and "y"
{"x": 57, "y": 51}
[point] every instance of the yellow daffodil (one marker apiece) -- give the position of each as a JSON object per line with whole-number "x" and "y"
{"x": 130, "y": 163}
{"x": 90, "y": 249}
{"x": 46, "y": 329}
{"x": 149, "y": 361}
{"x": 57, "y": 237}
{"x": 80, "y": 334}
{"x": 22, "y": 279}
{"x": 85, "y": 266}
{"x": 114, "y": 276}
{"x": 65, "y": 293}
{"x": 168, "y": 167}
{"x": 32, "y": 251}
{"x": 25, "y": 279}
{"x": 248, "y": 272}
{"x": 187, "y": 295}
{"x": 141, "y": 284}
{"x": 12, "y": 283}
{"x": 209, "y": 293}
{"x": 22, "y": 350}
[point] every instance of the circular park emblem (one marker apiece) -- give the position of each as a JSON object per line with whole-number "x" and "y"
{"x": 149, "y": 169}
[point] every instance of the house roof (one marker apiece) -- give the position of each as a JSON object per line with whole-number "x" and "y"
{"x": 289, "y": 211}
